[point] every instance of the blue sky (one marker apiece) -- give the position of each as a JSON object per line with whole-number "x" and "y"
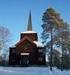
{"x": 14, "y": 14}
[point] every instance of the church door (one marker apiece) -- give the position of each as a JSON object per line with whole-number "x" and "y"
{"x": 24, "y": 60}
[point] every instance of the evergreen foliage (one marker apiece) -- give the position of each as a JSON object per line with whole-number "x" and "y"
{"x": 52, "y": 22}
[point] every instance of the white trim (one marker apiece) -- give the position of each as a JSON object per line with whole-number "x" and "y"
{"x": 24, "y": 53}
{"x": 28, "y": 32}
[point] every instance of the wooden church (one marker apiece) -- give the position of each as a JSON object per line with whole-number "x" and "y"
{"x": 28, "y": 51}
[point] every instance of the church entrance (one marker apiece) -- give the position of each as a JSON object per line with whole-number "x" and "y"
{"x": 24, "y": 59}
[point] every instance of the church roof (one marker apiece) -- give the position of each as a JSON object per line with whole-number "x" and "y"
{"x": 21, "y": 41}
{"x": 37, "y": 43}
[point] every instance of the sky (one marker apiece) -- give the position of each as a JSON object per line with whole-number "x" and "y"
{"x": 14, "y": 14}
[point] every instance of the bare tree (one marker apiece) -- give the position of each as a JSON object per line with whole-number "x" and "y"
{"x": 4, "y": 41}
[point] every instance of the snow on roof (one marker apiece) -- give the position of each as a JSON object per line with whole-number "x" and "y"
{"x": 39, "y": 44}
{"x": 29, "y": 32}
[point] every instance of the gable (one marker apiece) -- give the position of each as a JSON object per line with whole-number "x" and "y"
{"x": 24, "y": 40}
{"x": 25, "y": 45}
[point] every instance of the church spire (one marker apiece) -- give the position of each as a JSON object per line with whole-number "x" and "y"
{"x": 29, "y": 28}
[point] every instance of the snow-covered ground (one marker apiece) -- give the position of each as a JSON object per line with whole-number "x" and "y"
{"x": 31, "y": 71}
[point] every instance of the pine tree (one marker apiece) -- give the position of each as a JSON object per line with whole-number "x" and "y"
{"x": 54, "y": 25}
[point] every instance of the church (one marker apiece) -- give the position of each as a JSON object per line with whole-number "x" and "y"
{"x": 28, "y": 50}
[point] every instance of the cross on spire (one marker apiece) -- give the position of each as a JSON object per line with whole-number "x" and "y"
{"x": 29, "y": 28}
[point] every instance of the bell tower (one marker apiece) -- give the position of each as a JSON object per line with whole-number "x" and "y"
{"x": 29, "y": 33}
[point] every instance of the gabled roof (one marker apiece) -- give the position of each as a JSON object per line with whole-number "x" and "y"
{"x": 23, "y": 40}
{"x": 37, "y": 43}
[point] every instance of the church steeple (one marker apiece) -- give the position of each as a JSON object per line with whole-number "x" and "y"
{"x": 29, "y": 28}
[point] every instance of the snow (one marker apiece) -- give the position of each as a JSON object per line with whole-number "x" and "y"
{"x": 47, "y": 60}
{"x": 58, "y": 49}
{"x": 31, "y": 71}
{"x": 39, "y": 44}
{"x": 28, "y": 32}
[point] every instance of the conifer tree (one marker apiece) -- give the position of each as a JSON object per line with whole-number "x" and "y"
{"x": 54, "y": 24}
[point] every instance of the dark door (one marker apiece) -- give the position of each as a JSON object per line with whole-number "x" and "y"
{"x": 24, "y": 60}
